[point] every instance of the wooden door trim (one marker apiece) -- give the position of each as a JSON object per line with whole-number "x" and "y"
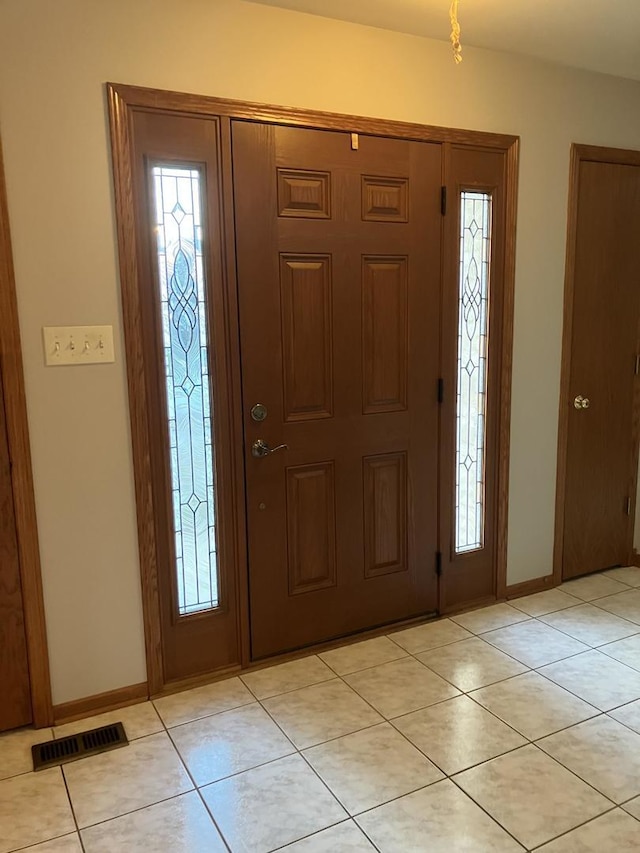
{"x": 506, "y": 366}
{"x": 123, "y": 100}
{"x": 580, "y": 154}
{"x": 12, "y": 374}
{"x": 138, "y": 97}
{"x": 121, "y": 143}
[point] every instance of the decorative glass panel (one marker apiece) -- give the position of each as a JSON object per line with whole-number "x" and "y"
{"x": 471, "y": 397}
{"x": 184, "y": 329}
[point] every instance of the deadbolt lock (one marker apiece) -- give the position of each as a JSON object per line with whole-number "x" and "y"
{"x": 259, "y": 412}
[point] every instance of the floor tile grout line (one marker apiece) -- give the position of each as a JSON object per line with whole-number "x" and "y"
{"x": 319, "y": 831}
{"x": 315, "y": 772}
{"x": 48, "y": 841}
{"x": 388, "y": 719}
{"x": 590, "y": 645}
{"x": 548, "y": 663}
{"x": 471, "y": 766}
{"x": 389, "y": 722}
{"x": 598, "y": 713}
{"x": 204, "y": 716}
{"x": 486, "y": 642}
{"x": 72, "y": 807}
{"x": 10, "y": 735}
{"x": 426, "y": 623}
{"x": 602, "y": 610}
{"x": 367, "y": 836}
{"x": 383, "y": 722}
{"x": 612, "y": 612}
{"x": 417, "y": 790}
{"x": 433, "y": 672}
{"x": 294, "y": 749}
{"x": 577, "y": 696}
{"x": 199, "y": 793}
{"x": 621, "y": 722}
{"x": 547, "y": 841}
{"x": 422, "y": 708}
{"x": 483, "y": 809}
{"x": 166, "y": 731}
{"x": 138, "y": 809}
{"x": 609, "y": 655}
{"x": 529, "y": 669}
{"x": 372, "y": 665}
{"x": 332, "y": 677}
{"x": 573, "y": 829}
{"x": 495, "y": 627}
{"x": 546, "y": 612}
{"x": 575, "y": 773}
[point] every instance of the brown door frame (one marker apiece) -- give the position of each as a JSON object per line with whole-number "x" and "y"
{"x": 580, "y": 154}
{"x": 123, "y": 101}
{"x": 22, "y": 475}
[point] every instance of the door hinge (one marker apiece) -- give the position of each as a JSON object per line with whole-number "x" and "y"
{"x": 443, "y": 201}
{"x": 440, "y": 390}
{"x": 438, "y": 563}
{"x": 355, "y": 142}
{"x": 637, "y": 367}
{"x": 628, "y": 506}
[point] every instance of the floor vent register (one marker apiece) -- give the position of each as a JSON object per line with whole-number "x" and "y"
{"x": 62, "y": 750}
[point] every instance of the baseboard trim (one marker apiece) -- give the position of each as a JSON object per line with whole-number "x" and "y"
{"x": 517, "y": 590}
{"x": 90, "y": 706}
{"x": 67, "y": 712}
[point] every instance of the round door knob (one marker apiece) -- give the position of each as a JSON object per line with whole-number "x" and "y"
{"x": 581, "y": 402}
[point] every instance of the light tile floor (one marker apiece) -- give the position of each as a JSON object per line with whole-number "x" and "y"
{"x": 511, "y": 728}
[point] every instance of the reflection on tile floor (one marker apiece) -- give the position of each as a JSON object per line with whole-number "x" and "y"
{"x": 512, "y": 728}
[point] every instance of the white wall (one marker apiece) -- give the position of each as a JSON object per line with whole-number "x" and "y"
{"x": 54, "y": 59}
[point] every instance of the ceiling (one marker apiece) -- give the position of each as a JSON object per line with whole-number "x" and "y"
{"x": 600, "y": 35}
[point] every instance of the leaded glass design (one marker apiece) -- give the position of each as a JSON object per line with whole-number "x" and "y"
{"x": 177, "y": 193}
{"x": 471, "y": 396}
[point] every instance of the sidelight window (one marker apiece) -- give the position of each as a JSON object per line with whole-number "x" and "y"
{"x": 183, "y": 307}
{"x": 471, "y": 397}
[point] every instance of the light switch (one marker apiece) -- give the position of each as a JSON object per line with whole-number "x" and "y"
{"x": 65, "y": 345}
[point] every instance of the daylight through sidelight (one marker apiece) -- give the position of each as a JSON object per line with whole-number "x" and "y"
{"x": 471, "y": 398}
{"x": 179, "y": 235}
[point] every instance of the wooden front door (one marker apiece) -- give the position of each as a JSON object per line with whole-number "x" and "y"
{"x": 338, "y": 252}
{"x": 15, "y": 694}
{"x": 601, "y": 441}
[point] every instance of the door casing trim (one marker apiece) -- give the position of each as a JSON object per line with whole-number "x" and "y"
{"x": 579, "y": 154}
{"x": 22, "y": 475}
{"x": 123, "y": 101}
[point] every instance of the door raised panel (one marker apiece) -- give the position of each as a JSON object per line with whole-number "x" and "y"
{"x": 305, "y": 289}
{"x": 385, "y": 514}
{"x": 385, "y": 334}
{"x": 311, "y": 527}
{"x": 385, "y": 199}
{"x": 305, "y": 195}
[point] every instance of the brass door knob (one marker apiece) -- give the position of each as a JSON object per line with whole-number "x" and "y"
{"x": 581, "y": 402}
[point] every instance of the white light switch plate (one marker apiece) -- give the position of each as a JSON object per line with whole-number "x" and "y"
{"x": 78, "y": 345}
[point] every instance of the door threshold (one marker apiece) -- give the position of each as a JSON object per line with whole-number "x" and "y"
{"x": 179, "y": 685}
